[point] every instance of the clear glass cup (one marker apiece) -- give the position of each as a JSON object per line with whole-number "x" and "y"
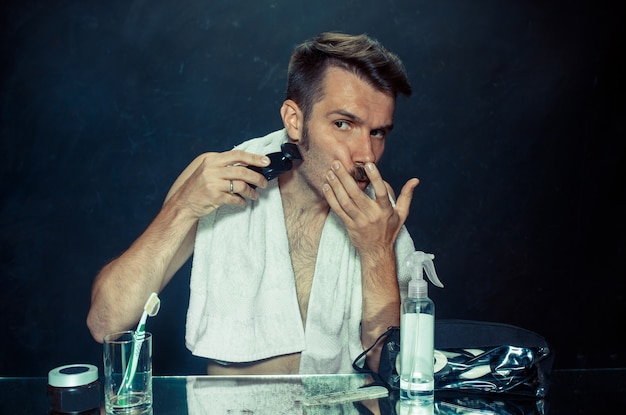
{"x": 126, "y": 391}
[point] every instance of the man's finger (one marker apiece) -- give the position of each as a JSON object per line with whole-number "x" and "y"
{"x": 403, "y": 203}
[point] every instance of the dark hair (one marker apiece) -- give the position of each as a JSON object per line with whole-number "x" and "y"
{"x": 359, "y": 54}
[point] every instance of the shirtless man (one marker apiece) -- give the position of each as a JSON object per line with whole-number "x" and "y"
{"x": 340, "y": 117}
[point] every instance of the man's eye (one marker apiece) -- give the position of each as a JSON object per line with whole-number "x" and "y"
{"x": 378, "y": 134}
{"x": 342, "y": 125}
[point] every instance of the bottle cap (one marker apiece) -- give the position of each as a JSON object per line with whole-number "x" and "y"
{"x": 417, "y": 262}
{"x": 73, "y": 375}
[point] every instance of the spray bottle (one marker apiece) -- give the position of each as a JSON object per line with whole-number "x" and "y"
{"x": 417, "y": 332}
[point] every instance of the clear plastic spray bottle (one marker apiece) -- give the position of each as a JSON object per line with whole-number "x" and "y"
{"x": 417, "y": 332}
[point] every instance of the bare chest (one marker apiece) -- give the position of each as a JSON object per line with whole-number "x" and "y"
{"x": 304, "y": 233}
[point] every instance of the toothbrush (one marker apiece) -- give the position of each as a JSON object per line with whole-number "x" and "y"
{"x": 151, "y": 308}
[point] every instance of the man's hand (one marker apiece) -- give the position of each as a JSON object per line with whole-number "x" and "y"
{"x": 216, "y": 179}
{"x": 372, "y": 224}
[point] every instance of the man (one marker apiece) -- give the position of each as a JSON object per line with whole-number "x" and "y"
{"x": 297, "y": 274}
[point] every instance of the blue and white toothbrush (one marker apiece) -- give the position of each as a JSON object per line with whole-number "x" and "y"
{"x": 151, "y": 308}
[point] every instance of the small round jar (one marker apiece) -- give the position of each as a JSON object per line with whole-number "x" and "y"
{"x": 74, "y": 389}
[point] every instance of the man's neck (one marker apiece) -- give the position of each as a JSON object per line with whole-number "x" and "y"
{"x": 296, "y": 193}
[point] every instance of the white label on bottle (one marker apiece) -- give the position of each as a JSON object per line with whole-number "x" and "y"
{"x": 417, "y": 351}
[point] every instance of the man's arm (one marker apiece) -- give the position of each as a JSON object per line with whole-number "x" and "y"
{"x": 381, "y": 301}
{"x": 122, "y": 287}
{"x": 373, "y": 226}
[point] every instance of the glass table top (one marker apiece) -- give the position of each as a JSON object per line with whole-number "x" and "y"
{"x": 571, "y": 391}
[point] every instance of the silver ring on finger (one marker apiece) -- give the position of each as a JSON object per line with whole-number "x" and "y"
{"x": 232, "y": 187}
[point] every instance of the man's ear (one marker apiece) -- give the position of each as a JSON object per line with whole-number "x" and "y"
{"x": 292, "y": 120}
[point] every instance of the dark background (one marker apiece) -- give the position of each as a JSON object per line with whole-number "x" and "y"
{"x": 515, "y": 128}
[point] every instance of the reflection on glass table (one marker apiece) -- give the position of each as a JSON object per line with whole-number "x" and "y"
{"x": 572, "y": 391}
{"x": 313, "y": 395}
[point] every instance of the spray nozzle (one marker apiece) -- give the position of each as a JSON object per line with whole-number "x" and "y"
{"x": 417, "y": 262}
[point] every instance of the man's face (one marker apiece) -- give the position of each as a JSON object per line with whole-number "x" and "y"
{"x": 349, "y": 124}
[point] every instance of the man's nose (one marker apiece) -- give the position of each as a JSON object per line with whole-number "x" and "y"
{"x": 363, "y": 149}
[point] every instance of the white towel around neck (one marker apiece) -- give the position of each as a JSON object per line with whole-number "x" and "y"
{"x": 243, "y": 305}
